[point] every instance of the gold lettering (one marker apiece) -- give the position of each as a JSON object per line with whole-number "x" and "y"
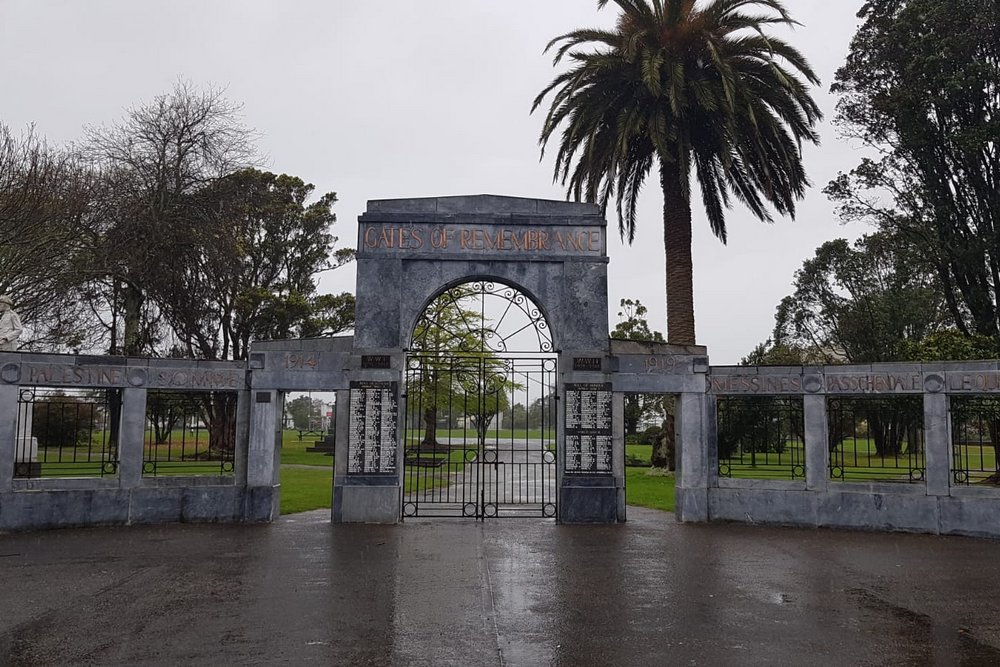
{"x": 371, "y": 238}
{"x": 466, "y": 238}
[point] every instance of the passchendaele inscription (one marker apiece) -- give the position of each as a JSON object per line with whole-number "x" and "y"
{"x": 371, "y": 435}
{"x": 588, "y": 428}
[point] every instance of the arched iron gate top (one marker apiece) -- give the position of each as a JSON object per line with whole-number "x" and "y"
{"x": 482, "y": 316}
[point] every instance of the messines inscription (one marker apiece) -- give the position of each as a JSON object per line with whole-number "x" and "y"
{"x": 481, "y": 239}
{"x": 588, "y": 428}
{"x": 371, "y": 437}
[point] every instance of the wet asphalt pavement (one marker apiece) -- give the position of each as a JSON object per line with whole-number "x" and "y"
{"x": 507, "y": 592}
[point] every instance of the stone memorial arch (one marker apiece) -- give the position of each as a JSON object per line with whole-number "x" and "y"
{"x": 420, "y": 426}
{"x": 543, "y": 257}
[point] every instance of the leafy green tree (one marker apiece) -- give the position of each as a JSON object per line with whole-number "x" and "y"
{"x": 246, "y": 268}
{"x": 456, "y": 367}
{"x": 696, "y": 89}
{"x": 632, "y": 325}
{"x": 919, "y": 88}
{"x": 305, "y": 412}
{"x": 859, "y": 303}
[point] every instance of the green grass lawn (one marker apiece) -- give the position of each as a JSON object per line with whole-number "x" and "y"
{"x": 649, "y": 487}
{"x": 304, "y": 489}
{"x": 293, "y": 450}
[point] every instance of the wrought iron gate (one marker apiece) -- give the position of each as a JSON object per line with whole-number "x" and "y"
{"x": 480, "y": 436}
{"x": 480, "y": 411}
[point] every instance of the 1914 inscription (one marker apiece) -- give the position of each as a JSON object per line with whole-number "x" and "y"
{"x": 371, "y": 436}
{"x": 588, "y": 428}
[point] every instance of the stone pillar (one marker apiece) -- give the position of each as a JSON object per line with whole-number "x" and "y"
{"x": 27, "y": 445}
{"x": 937, "y": 444}
{"x": 243, "y": 435}
{"x": 589, "y": 495}
{"x": 618, "y": 443}
{"x": 8, "y": 432}
{"x": 692, "y": 472}
{"x": 370, "y": 495}
{"x": 131, "y": 435}
{"x": 262, "y": 455}
{"x": 816, "y": 442}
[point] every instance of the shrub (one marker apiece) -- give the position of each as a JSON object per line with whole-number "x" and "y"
{"x": 59, "y": 420}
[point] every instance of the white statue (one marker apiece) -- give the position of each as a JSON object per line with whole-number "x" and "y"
{"x": 10, "y": 325}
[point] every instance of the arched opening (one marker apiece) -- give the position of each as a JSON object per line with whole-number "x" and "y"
{"x": 480, "y": 416}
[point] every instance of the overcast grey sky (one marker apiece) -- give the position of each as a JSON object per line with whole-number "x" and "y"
{"x": 406, "y": 98}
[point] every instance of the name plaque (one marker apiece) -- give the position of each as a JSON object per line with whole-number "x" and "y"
{"x": 586, "y": 363}
{"x": 376, "y": 361}
{"x": 371, "y": 434}
{"x": 588, "y": 428}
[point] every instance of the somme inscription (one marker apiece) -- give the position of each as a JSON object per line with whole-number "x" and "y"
{"x": 588, "y": 428}
{"x": 371, "y": 435}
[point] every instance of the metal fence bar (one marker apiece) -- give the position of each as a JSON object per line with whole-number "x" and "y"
{"x": 760, "y": 437}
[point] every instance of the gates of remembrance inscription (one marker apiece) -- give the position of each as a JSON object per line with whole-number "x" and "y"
{"x": 588, "y": 428}
{"x": 371, "y": 438}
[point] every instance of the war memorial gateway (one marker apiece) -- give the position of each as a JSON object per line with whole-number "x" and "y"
{"x": 755, "y": 444}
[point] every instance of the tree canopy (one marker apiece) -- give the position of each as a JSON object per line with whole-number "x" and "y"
{"x": 156, "y": 235}
{"x": 859, "y": 303}
{"x": 695, "y": 89}
{"x": 921, "y": 89}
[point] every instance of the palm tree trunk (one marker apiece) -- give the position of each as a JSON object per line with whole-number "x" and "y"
{"x": 677, "y": 248}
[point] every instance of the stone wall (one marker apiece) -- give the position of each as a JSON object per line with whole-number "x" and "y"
{"x": 934, "y": 504}
{"x": 126, "y": 495}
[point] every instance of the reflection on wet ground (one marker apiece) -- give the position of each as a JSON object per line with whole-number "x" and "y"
{"x": 507, "y": 592}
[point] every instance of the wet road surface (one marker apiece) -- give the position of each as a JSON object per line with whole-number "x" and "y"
{"x": 506, "y": 592}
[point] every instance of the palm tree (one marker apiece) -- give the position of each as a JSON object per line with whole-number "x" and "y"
{"x": 694, "y": 87}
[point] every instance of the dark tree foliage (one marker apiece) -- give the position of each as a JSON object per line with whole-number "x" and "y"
{"x": 857, "y": 304}
{"x": 245, "y": 268}
{"x": 921, "y": 88}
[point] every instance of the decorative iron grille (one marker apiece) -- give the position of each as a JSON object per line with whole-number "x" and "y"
{"x": 482, "y": 316}
{"x": 760, "y": 437}
{"x": 876, "y": 439}
{"x": 67, "y": 432}
{"x": 189, "y": 433}
{"x": 975, "y": 436}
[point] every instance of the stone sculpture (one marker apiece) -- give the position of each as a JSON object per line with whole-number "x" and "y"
{"x": 10, "y": 325}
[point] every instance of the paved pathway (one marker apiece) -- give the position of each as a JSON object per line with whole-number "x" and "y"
{"x": 507, "y": 592}
{"x": 519, "y": 476}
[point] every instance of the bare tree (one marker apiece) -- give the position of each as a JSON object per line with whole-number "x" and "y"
{"x": 153, "y": 160}
{"x": 44, "y": 199}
